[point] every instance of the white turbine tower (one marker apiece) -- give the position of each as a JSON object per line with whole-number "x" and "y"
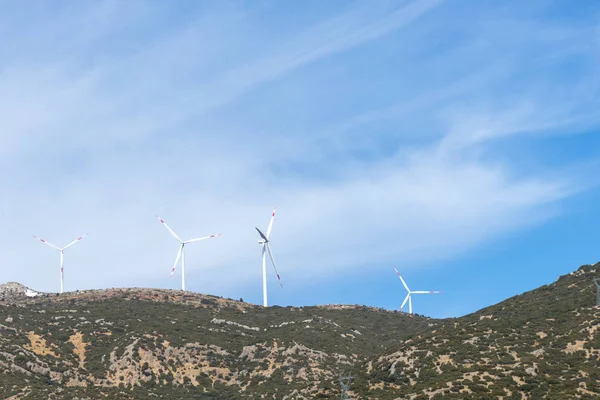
{"x": 410, "y": 293}
{"x": 266, "y": 247}
{"x": 180, "y": 253}
{"x": 61, "y": 249}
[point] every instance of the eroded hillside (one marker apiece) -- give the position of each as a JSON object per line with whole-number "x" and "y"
{"x": 148, "y": 344}
{"x": 143, "y": 343}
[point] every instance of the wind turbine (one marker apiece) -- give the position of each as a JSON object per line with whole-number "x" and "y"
{"x": 180, "y": 253}
{"x": 410, "y": 293}
{"x": 61, "y": 249}
{"x": 266, "y": 247}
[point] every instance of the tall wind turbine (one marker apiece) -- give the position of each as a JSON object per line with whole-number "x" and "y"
{"x": 61, "y": 249}
{"x": 180, "y": 253}
{"x": 266, "y": 247}
{"x": 410, "y": 293}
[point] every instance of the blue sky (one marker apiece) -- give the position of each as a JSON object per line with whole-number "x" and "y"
{"x": 457, "y": 141}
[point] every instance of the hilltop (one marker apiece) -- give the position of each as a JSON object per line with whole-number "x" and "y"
{"x": 14, "y": 290}
{"x": 150, "y": 343}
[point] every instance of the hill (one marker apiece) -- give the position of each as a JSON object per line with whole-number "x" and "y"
{"x": 144, "y": 343}
{"x": 541, "y": 344}
{"x": 152, "y": 344}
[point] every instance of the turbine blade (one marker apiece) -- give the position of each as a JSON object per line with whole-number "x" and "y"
{"x": 176, "y": 260}
{"x": 170, "y": 230}
{"x": 75, "y": 241}
{"x": 262, "y": 235}
{"x": 203, "y": 238}
{"x": 427, "y": 292}
{"x": 402, "y": 280}
{"x": 48, "y": 243}
{"x": 271, "y": 223}
{"x": 273, "y": 261}
{"x": 404, "y": 302}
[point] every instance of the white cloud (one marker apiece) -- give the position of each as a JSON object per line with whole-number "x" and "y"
{"x": 104, "y": 148}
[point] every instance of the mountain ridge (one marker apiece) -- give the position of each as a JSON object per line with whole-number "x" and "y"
{"x": 155, "y": 343}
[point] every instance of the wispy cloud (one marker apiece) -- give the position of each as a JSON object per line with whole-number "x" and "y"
{"x": 385, "y": 159}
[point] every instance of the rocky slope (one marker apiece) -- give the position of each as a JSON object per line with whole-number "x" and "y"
{"x": 152, "y": 344}
{"x": 144, "y": 343}
{"x": 542, "y": 344}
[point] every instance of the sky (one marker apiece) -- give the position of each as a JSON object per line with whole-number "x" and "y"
{"x": 457, "y": 141}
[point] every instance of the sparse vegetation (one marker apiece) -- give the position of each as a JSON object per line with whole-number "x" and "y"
{"x": 148, "y": 344}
